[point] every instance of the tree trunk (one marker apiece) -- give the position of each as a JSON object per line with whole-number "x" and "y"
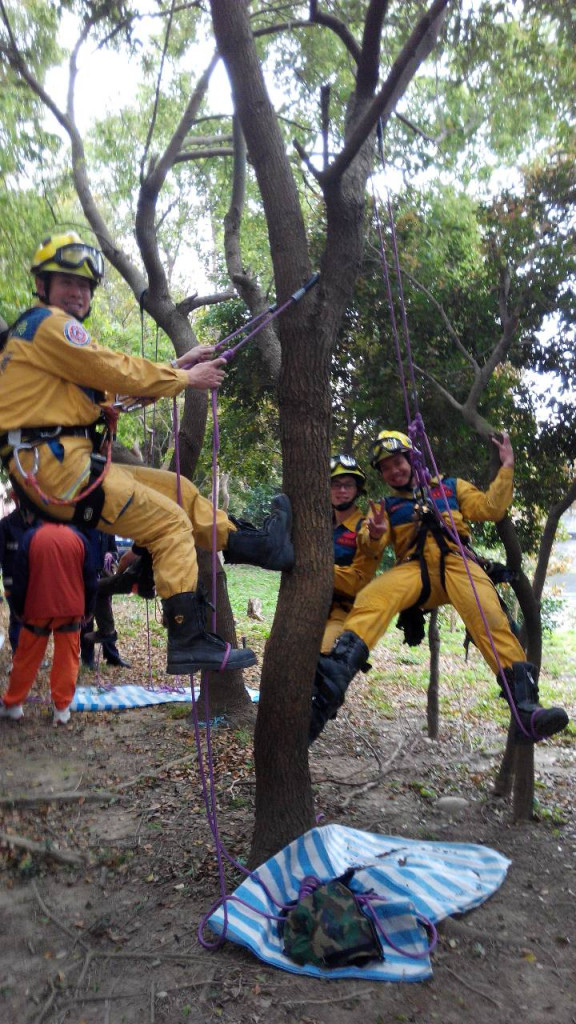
{"x": 284, "y": 805}
{"x": 227, "y": 692}
{"x": 432, "y": 700}
{"x": 516, "y": 776}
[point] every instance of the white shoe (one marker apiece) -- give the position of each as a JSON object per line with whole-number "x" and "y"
{"x": 61, "y": 717}
{"x": 15, "y": 712}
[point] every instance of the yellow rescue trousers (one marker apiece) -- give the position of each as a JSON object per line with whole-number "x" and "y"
{"x": 334, "y": 626}
{"x": 400, "y": 587}
{"x": 140, "y": 504}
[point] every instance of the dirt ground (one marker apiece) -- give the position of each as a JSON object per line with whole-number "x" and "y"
{"x": 112, "y": 938}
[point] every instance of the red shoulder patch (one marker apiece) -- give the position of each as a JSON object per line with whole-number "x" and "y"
{"x": 76, "y": 334}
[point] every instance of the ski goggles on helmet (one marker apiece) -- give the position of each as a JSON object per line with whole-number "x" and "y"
{"x": 385, "y": 447}
{"x": 347, "y": 462}
{"x": 346, "y": 465}
{"x": 76, "y": 256}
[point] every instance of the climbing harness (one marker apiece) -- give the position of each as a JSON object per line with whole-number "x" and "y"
{"x": 86, "y": 512}
{"x": 69, "y": 627}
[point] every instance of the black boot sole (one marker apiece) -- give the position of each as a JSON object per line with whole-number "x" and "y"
{"x": 240, "y": 658}
{"x": 542, "y": 724}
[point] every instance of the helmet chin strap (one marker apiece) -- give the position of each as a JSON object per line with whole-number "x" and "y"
{"x": 344, "y": 505}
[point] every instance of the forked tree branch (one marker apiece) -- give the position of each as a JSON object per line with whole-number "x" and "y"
{"x": 414, "y": 52}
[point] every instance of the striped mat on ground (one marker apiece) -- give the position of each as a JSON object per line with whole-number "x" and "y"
{"x": 97, "y": 698}
{"x": 413, "y": 878}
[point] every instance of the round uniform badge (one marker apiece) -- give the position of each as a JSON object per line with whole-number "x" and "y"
{"x": 76, "y": 334}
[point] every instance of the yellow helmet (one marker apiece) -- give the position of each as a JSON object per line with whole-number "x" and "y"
{"x": 346, "y": 465}
{"x": 387, "y": 444}
{"x": 67, "y": 253}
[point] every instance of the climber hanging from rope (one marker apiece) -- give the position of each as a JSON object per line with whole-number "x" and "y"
{"x": 56, "y": 384}
{"x": 431, "y": 570}
{"x": 424, "y": 521}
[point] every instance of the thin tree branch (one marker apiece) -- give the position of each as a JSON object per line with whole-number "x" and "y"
{"x": 547, "y": 539}
{"x": 152, "y": 124}
{"x": 193, "y": 302}
{"x": 445, "y": 318}
{"x": 368, "y": 64}
{"x": 247, "y": 286}
{"x": 42, "y": 849}
{"x": 417, "y": 131}
{"x": 339, "y": 28}
{"x": 203, "y": 154}
{"x": 153, "y": 182}
{"x": 414, "y": 52}
{"x": 26, "y": 800}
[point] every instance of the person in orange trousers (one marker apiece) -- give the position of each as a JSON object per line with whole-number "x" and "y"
{"x": 54, "y": 589}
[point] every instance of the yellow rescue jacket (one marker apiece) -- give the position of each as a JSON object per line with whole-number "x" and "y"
{"x": 52, "y": 373}
{"x": 467, "y": 504}
{"x": 356, "y": 557}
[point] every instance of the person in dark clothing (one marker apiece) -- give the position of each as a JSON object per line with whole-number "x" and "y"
{"x": 12, "y": 529}
{"x": 105, "y": 556}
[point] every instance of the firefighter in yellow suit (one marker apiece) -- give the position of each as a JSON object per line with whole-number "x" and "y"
{"x": 430, "y": 571}
{"x": 356, "y": 554}
{"x": 55, "y": 381}
{"x": 356, "y": 559}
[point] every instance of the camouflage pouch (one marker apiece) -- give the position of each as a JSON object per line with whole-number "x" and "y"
{"x": 327, "y": 928}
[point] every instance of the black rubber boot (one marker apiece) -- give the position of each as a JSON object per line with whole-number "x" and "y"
{"x": 538, "y": 722}
{"x": 112, "y": 655}
{"x": 334, "y": 673}
{"x": 269, "y": 546}
{"x": 190, "y": 647}
{"x": 145, "y": 574}
{"x": 137, "y": 576}
{"x": 98, "y": 636}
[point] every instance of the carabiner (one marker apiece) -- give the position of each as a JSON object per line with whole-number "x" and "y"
{"x": 26, "y": 446}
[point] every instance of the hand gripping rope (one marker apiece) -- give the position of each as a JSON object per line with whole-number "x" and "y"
{"x": 422, "y": 447}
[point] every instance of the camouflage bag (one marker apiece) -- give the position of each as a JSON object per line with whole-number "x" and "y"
{"x": 327, "y": 928}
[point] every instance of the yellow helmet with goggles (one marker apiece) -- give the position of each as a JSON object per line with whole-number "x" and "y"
{"x": 387, "y": 444}
{"x": 346, "y": 465}
{"x": 68, "y": 254}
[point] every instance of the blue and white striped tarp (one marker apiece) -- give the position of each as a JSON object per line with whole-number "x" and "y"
{"x": 95, "y": 698}
{"x": 430, "y": 879}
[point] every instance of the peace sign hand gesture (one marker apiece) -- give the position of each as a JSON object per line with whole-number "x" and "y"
{"x": 505, "y": 449}
{"x": 377, "y": 521}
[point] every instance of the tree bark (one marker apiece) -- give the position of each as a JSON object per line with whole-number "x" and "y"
{"x": 228, "y": 696}
{"x": 433, "y": 684}
{"x": 516, "y": 776}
